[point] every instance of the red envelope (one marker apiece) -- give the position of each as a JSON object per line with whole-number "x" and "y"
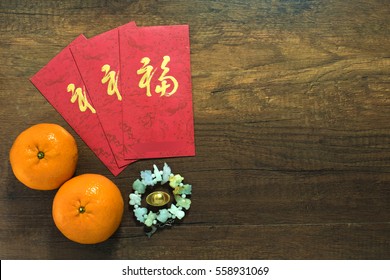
{"x": 61, "y": 84}
{"x": 98, "y": 62}
{"x": 157, "y": 94}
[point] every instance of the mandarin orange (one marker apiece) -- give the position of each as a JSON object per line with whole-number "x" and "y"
{"x": 88, "y": 208}
{"x": 44, "y": 156}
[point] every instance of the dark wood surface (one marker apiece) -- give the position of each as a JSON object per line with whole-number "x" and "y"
{"x": 292, "y": 106}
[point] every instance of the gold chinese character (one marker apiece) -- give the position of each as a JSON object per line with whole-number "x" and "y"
{"x": 112, "y": 78}
{"x": 80, "y": 95}
{"x": 163, "y": 79}
{"x": 147, "y": 72}
{"x": 166, "y": 81}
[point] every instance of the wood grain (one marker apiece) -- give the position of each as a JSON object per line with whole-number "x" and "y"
{"x": 291, "y": 104}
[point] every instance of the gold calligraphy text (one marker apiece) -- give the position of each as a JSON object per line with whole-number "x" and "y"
{"x": 112, "y": 78}
{"x": 81, "y": 96}
{"x": 167, "y": 82}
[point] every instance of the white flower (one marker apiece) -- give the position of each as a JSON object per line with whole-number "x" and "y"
{"x": 166, "y": 173}
{"x": 176, "y": 212}
{"x": 157, "y": 174}
{"x": 140, "y": 213}
{"x": 135, "y": 199}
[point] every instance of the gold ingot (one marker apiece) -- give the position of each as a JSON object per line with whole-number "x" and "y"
{"x": 158, "y": 198}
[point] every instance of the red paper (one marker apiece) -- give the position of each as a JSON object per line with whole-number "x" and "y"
{"x": 61, "y": 84}
{"x": 98, "y": 62}
{"x": 157, "y": 94}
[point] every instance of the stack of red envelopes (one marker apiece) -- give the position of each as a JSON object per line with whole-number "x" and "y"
{"x": 126, "y": 92}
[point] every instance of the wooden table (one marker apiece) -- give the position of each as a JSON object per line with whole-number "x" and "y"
{"x": 291, "y": 103}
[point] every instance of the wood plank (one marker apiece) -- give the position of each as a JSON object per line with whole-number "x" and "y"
{"x": 291, "y": 124}
{"x": 324, "y": 241}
